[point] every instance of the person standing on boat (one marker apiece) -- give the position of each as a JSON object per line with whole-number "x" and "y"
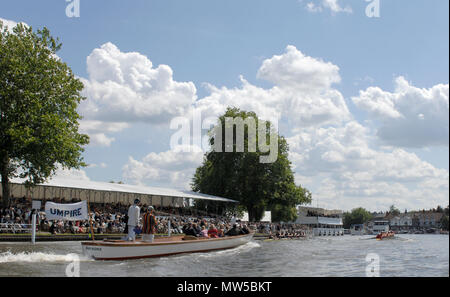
{"x": 233, "y": 231}
{"x": 134, "y": 213}
{"x": 149, "y": 225}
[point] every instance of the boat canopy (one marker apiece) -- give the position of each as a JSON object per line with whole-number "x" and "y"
{"x": 103, "y": 192}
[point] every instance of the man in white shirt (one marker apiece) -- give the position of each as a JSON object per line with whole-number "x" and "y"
{"x": 134, "y": 213}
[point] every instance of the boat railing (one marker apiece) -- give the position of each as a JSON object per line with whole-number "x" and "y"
{"x": 15, "y": 228}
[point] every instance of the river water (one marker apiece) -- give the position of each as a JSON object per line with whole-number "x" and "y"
{"x": 406, "y": 255}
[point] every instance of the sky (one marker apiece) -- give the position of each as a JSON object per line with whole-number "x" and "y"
{"x": 363, "y": 101}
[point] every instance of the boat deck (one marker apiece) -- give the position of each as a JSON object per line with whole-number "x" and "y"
{"x": 163, "y": 240}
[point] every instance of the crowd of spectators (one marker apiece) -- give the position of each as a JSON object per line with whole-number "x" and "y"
{"x": 312, "y": 213}
{"x": 286, "y": 231}
{"x": 112, "y": 219}
{"x": 15, "y": 219}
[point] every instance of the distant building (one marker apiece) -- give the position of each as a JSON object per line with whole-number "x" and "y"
{"x": 358, "y": 229}
{"x": 377, "y": 225}
{"x": 427, "y": 219}
{"x": 378, "y": 215}
{"x": 407, "y": 221}
{"x": 322, "y": 221}
{"x": 401, "y": 222}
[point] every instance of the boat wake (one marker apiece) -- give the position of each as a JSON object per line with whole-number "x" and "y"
{"x": 38, "y": 257}
{"x": 237, "y": 250}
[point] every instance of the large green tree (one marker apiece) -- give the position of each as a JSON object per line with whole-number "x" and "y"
{"x": 394, "y": 210}
{"x": 240, "y": 175}
{"x": 356, "y": 216}
{"x": 39, "y": 96}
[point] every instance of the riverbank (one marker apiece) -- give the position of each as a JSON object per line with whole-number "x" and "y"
{"x": 55, "y": 237}
{"x": 45, "y": 236}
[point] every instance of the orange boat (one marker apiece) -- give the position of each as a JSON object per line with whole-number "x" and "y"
{"x": 385, "y": 235}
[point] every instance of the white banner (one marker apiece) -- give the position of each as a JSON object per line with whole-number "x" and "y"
{"x": 67, "y": 212}
{"x": 36, "y": 204}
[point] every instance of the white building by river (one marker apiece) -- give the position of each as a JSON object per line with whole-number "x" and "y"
{"x": 322, "y": 221}
{"x": 376, "y": 226}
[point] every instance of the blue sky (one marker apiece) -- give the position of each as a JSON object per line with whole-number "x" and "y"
{"x": 215, "y": 42}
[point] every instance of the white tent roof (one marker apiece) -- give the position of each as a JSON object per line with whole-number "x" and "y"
{"x": 124, "y": 188}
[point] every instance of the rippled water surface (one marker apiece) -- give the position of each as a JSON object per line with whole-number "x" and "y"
{"x": 406, "y": 255}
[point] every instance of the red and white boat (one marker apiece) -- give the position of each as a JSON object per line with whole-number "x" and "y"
{"x": 161, "y": 246}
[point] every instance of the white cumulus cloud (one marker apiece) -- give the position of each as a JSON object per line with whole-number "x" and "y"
{"x": 97, "y": 131}
{"x": 302, "y": 92}
{"x": 409, "y": 116}
{"x": 343, "y": 170}
{"x": 332, "y": 5}
{"x": 170, "y": 168}
{"x": 125, "y": 87}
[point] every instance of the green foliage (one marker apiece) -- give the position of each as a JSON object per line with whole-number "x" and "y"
{"x": 39, "y": 96}
{"x": 394, "y": 211}
{"x": 283, "y": 213}
{"x": 444, "y": 222}
{"x": 241, "y": 176}
{"x": 356, "y": 216}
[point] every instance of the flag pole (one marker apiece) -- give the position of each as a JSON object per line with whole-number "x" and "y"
{"x": 33, "y": 226}
{"x": 90, "y": 218}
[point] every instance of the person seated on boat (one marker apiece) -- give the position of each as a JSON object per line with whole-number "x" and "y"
{"x": 245, "y": 230}
{"x": 221, "y": 231}
{"x": 233, "y": 231}
{"x": 196, "y": 228}
{"x": 149, "y": 223}
{"x": 133, "y": 219}
{"x": 204, "y": 232}
{"x": 213, "y": 232}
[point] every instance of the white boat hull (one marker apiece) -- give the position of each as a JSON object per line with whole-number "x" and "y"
{"x": 122, "y": 250}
